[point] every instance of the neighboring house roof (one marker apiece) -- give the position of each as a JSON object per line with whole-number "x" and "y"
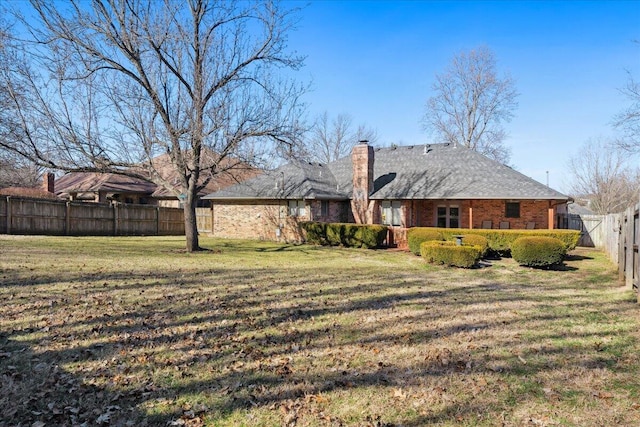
{"x": 577, "y": 209}
{"x": 34, "y": 192}
{"x": 230, "y": 172}
{"x": 431, "y": 171}
{"x": 91, "y": 182}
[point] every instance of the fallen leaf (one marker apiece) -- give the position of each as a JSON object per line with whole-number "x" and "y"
{"x": 399, "y": 394}
{"x": 603, "y": 395}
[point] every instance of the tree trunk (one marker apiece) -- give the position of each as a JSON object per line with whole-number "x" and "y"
{"x": 190, "y": 224}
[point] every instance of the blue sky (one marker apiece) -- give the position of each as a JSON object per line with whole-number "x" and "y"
{"x": 376, "y": 61}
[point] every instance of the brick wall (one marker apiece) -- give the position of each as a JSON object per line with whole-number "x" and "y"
{"x": 362, "y": 158}
{"x": 494, "y": 211}
{"x": 338, "y": 211}
{"x": 424, "y": 213}
{"x": 260, "y": 219}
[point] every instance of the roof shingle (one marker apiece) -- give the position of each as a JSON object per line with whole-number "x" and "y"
{"x": 431, "y": 171}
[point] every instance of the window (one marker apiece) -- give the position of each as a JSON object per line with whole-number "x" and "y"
{"x": 324, "y": 208}
{"x": 448, "y": 217}
{"x": 297, "y": 208}
{"x": 512, "y": 210}
{"x": 391, "y": 210}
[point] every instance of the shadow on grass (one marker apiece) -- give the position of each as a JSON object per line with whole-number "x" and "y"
{"x": 576, "y": 257}
{"x": 35, "y": 390}
{"x": 244, "y": 339}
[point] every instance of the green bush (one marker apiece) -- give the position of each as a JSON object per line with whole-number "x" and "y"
{"x": 417, "y": 235}
{"x": 538, "y": 251}
{"x": 449, "y": 253}
{"x": 364, "y": 235}
{"x": 500, "y": 240}
{"x": 315, "y": 232}
{"x": 476, "y": 240}
{"x": 335, "y": 231}
{"x": 350, "y": 235}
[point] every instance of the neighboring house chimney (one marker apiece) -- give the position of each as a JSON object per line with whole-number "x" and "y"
{"x": 362, "y": 160}
{"x": 48, "y": 182}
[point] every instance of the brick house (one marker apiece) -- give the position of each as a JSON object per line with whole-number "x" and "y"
{"x": 104, "y": 187}
{"x": 432, "y": 185}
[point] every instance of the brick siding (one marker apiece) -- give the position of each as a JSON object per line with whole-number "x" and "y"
{"x": 422, "y": 213}
{"x": 261, "y": 219}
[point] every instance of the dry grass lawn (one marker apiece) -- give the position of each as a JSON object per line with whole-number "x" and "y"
{"x": 134, "y": 332}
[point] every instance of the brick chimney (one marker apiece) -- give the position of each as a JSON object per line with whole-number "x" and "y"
{"x": 48, "y": 182}
{"x": 362, "y": 158}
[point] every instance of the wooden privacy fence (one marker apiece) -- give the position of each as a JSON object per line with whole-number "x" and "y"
{"x": 628, "y": 242}
{"x": 19, "y": 215}
{"x": 618, "y": 235}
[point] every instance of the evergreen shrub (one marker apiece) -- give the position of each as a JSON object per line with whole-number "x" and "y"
{"x": 500, "y": 240}
{"x": 449, "y": 253}
{"x": 349, "y": 235}
{"x": 538, "y": 251}
{"x": 476, "y": 240}
{"x": 417, "y": 235}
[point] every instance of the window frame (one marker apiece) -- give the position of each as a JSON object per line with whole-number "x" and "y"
{"x": 296, "y": 208}
{"x": 512, "y": 209}
{"x": 391, "y": 213}
{"x": 447, "y": 216}
{"x": 324, "y": 208}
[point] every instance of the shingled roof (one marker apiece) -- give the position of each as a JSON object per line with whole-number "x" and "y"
{"x": 296, "y": 180}
{"x": 86, "y": 182}
{"x": 431, "y": 171}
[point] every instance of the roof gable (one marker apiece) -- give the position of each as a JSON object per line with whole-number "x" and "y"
{"x": 295, "y": 180}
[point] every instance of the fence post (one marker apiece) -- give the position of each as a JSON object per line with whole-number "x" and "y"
{"x": 157, "y": 220}
{"x": 621, "y": 245}
{"x": 67, "y": 219}
{"x": 628, "y": 271}
{"x": 8, "y": 214}
{"x": 115, "y": 219}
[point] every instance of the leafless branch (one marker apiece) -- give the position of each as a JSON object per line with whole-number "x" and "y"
{"x": 470, "y": 104}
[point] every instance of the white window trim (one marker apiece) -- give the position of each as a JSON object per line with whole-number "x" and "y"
{"x": 391, "y": 210}
{"x": 297, "y": 208}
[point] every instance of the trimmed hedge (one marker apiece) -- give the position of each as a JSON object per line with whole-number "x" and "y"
{"x": 350, "y": 235}
{"x": 449, "y": 253}
{"x": 334, "y": 234}
{"x": 500, "y": 240}
{"x": 538, "y": 251}
{"x": 477, "y": 240}
{"x": 417, "y": 235}
{"x": 316, "y": 232}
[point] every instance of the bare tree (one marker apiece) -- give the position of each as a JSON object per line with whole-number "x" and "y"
{"x": 108, "y": 86}
{"x": 470, "y": 104}
{"x": 601, "y": 173}
{"x": 331, "y": 139}
{"x": 15, "y": 171}
{"x": 628, "y": 121}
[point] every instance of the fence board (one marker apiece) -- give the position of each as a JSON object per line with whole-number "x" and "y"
{"x": 3, "y": 215}
{"x": 90, "y": 219}
{"x": 204, "y": 218}
{"x": 170, "y": 222}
